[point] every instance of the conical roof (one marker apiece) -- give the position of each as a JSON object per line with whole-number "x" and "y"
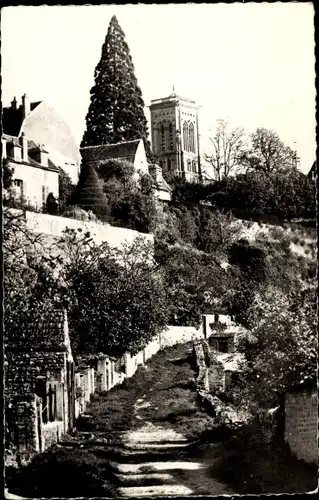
{"x": 88, "y": 193}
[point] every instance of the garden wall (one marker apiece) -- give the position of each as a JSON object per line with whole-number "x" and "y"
{"x": 53, "y": 225}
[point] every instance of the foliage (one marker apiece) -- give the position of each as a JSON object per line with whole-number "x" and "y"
{"x": 282, "y": 348}
{"x": 65, "y": 190}
{"x": 75, "y": 212}
{"x": 228, "y": 147}
{"x": 116, "y": 111}
{"x": 286, "y": 195}
{"x": 116, "y": 298}
{"x": 89, "y": 194}
{"x": 7, "y": 174}
{"x": 268, "y": 153}
{"x": 135, "y": 210}
{"x": 121, "y": 170}
{"x": 131, "y": 200}
{"x": 188, "y": 276}
{"x": 51, "y": 205}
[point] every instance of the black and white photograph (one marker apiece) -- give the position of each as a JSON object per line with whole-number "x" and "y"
{"x": 159, "y": 250}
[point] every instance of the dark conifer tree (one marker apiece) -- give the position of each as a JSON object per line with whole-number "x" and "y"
{"x": 116, "y": 111}
{"x": 89, "y": 194}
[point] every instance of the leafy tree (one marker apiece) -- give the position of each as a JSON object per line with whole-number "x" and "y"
{"x": 116, "y": 111}
{"x": 228, "y": 147}
{"x": 135, "y": 210}
{"x": 89, "y": 194}
{"x": 117, "y": 301}
{"x": 65, "y": 190}
{"x": 122, "y": 170}
{"x": 51, "y": 205}
{"x": 7, "y": 173}
{"x": 281, "y": 350}
{"x": 189, "y": 275}
{"x": 268, "y": 153}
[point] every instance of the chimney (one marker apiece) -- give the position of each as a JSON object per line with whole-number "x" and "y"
{"x": 24, "y": 143}
{"x": 25, "y": 105}
{"x": 4, "y": 148}
{"x": 14, "y": 104}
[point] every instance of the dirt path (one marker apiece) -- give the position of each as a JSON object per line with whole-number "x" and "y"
{"x": 149, "y": 437}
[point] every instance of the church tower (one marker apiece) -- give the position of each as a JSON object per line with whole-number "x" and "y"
{"x": 175, "y": 136}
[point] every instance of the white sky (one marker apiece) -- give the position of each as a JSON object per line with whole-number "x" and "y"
{"x": 252, "y": 63}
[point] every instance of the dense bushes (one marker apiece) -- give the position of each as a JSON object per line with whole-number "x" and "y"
{"x": 285, "y": 195}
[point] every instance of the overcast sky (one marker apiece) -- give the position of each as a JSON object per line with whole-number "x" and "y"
{"x": 252, "y": 63}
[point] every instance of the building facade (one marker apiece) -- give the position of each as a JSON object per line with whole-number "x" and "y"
{"x": 40, "y": 123}
{"x": 175, "y": 135}
{"x": 34, "y": 175}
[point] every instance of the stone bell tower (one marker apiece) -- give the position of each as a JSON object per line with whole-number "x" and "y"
{"x": 175, "y": 135}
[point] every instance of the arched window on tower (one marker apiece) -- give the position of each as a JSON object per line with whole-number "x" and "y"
{"x": 170, "y": 136}
{"x": 185, "y": 136}
{"x": 162, "y": 133}
{"x": 189, "y": 165}
{"x": 191, "y": 136}
{"x": 169, "y": 164}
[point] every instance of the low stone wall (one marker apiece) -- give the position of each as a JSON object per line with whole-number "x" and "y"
{"x": 53, "y": 225}
{"x": 301, "y": 424}
{"x": 214, "y": 406}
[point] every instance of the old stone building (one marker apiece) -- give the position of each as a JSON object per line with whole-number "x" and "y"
{"x": 35, "y": 176}
{"x": 41, "y": 124}
{"x": 175, "y": 135}
{"x": 134, "y": 152}
{"x": 39, "y": 382}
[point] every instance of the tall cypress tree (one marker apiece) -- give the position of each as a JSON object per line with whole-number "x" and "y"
{"x": 116, "y": 111}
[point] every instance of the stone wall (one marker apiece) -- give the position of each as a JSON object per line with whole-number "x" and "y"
{"x": 54, "y": 226}
{"x": 301, "y": 424}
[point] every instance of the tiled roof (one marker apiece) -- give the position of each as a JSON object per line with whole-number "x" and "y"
{"x": 121, "y": 150}
{"x": 12, "y": 119}
{"x": 32, "y": 146}
{"x": 45, "y": 331}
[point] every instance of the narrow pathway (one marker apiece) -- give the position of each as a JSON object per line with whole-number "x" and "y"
{"x": 155, "y": 458}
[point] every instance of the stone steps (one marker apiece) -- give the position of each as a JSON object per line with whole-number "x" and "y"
{"x": 159, "y": 490}
{"x": 150, "y": 467}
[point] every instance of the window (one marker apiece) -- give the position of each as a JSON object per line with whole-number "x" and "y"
{"x": 189, "y": 165}
{"x": 191, "y": 138}
{"x": 162, "y": 132}
{"x": 185, "y": 136}
{"x": 169, "y": 164}
{"x": 18, "y": 183}
{"x": 170, "y": 135}
{"x": 43, "y": 195}
{"x": 161, "y": 163}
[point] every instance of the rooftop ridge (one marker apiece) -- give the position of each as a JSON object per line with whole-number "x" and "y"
{"x": 108, "y": 145}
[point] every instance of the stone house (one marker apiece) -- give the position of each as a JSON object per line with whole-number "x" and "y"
{"x": 41, "y": 124}
{"x": 39, "y": 383}
{"x": 35, "y": 176}
{"x": 133, "y": 152}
